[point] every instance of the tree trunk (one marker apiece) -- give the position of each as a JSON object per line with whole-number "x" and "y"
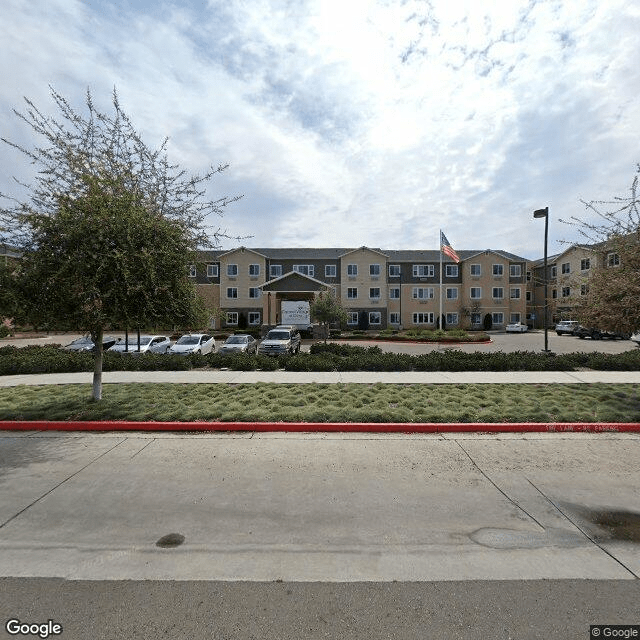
{"x": 97, "y": 369}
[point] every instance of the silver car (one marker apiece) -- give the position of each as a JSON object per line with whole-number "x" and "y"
{"x": 194, "y": 343}
{"x": 148, "y": 344}
{"x": 239, "y": 343}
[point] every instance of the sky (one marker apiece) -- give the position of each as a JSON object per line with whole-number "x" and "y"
{"x": 354, "y": 122}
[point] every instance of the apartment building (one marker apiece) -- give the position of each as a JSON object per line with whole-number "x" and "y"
{"x": 388, "y": 288}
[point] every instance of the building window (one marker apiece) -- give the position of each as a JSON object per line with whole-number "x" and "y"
{"x": 451, "y": 318}
{"x": 352, "y": 317}
{"x": 422, "y": 293}
{"x": 394, "y": 293}
{"x": 497, "y": 293}
{"x": 352, "y": 293}
{"x": 613, "y": 260}
{"x": 566, "y": 292}
{"x": 554, "y": 293}
{"x": 394, "y": 270}
{"x": 584, "y": 289}
{"x": 329, "y": 270}
{"x": 423, "y": 318}
{"x": 254, "y": 270}
{"x": 232, "y": 292}
{"x": 232, "y": 317}
{"x": 528, "y": 276}
{"x": 514, "y": 318}
{"x": 585, "y": 264}
{"x": 566, "y": 267}
{"x": 498, "y": 318}
{"x": 451, "y": 270}
{"x": 554, "y": 272}
{"x": 515, "y": 293}
{"x": 304, "y": 269}
{"x": 254, "y": 292}
{"x": 374, "y": 270}
{"x": 232, "y": 270}
{"x": 528, "y": 296}
{"x": 375, "y": 317}
{"x": 515, "y": 270}
{"x": 275, "y": 270}
{"x": 212, "y": 271}
{"x": 374, "y": 293}
{"x": 192, "y": 270}
{"x": 476, "y": 318}
{"x": 423, "y": 271}
{"x": 498, "y": 270}
{"x": 452, "y": 293}
{"x": 254, "y": 317}
{"x": 475, "y": 293}
{"x": 476, "y": 270}
{"x": 394, "y": 318}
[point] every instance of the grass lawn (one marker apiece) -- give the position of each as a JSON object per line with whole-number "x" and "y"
{"x": 264, "y": 402}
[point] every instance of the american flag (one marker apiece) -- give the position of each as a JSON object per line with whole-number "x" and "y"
{"x": 445, "y": 247}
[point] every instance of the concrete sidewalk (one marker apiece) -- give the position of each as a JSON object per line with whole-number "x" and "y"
{"x": 329, "y": 377}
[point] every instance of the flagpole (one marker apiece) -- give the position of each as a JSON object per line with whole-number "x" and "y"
{"x": 439, "y": 324}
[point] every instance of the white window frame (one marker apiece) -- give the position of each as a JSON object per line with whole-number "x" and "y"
{"x": 515, "y": 293}
{"x": 497, "y": 317}
{"x": 422, "y": 293}
{"x": 232, "y": 270}
{"x": 565, "y": 268}
{"x": 515, "y": 270}
{"x": 471, "y": 291}
{"x": 275, "y": 270}
{"x": 254, "y": 317}
{"x": 554, "y": 271}
{"x": 451, "y": 270}
{"x": 254, "y": 270}
{"x": 375, "y": 317}
{"x": 305, "y": 269}
{"x": 423, "y": 271}
{"x": 423, "y": 317}
{"x": 352, "y": 270}
{"x": 451, "y": 318}
{"x": 232, "y": 290}
{"x": 212, "y": 271}
{"x": 255, "y": 292}
{"x": 192, "y": 271}
{"x": 350, "y": 293}
{"x": 514, "y": 317}
{"x": 232, "y": 317}
{"x": 392, "y": 293}
{"x": 374, "y": 271}
{"x": 394, "y": 317}
{"x": 585, "y": 264}
{"x": 499, "y": 291}
{"x": 566, "y": 292}
{"x": 475, "y": 270}
{"x": 330, "y": 270}
{"x": 476, "y": 319}
{"x": 451, "y": 293}
{"x": 352, "y": 317}
{"x": 613, "y": 259}
{"x": 394, "y": 270}
{"x": 497, "y": 270}
{"x": 372, "y": 293}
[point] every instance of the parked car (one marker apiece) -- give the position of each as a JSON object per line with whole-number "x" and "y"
{"x": 282, "y": 339}
{"x": 239, "y": 343}
{"x": 85, "y": 343}
{"x": 636, "y": 337}
{"x": 566, "y": 326}
{"x": 516, "y": 327}
{"x": 148, "y": 344}
{"x": 598, "y": 334}
{"x": 194, "y": 343}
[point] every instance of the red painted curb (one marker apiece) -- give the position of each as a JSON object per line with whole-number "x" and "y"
{"x": 364, "y": 427}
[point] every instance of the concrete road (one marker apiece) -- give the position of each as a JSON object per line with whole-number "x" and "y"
{"x": 320, "y": 535}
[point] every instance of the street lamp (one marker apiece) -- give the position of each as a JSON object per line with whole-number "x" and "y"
{"x": 544, "y": 213}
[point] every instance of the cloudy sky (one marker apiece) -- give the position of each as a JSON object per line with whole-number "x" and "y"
{"x": 356, "y": 122}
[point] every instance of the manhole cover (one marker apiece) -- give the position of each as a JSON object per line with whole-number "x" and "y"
{"x": 170, "y": 540}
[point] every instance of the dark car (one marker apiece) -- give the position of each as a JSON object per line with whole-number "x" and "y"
{"x": 598, "y": 334}
{"x": 85, "y": 343}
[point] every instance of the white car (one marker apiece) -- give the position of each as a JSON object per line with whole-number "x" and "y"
{"x": 566, "y": 326}
{"x": 516, "y": 327}
{"x": 148, "y": 344}
{"x": 194, "y": 343}
{"x": 635, "y": 337}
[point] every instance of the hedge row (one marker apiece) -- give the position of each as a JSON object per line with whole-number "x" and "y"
{"x": 323, "y": 357}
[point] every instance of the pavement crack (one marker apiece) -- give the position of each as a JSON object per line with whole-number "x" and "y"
{"x": 509, "y": 498}
{"x": 143, "y": 448}
{"x": 75, "y": 473}
{"x": 581, "y": 530}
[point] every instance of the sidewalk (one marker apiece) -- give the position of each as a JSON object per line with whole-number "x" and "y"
{"x": 330, "y": 377}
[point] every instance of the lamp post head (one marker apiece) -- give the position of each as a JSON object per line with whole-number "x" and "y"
{"x": 541, "y": 213}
